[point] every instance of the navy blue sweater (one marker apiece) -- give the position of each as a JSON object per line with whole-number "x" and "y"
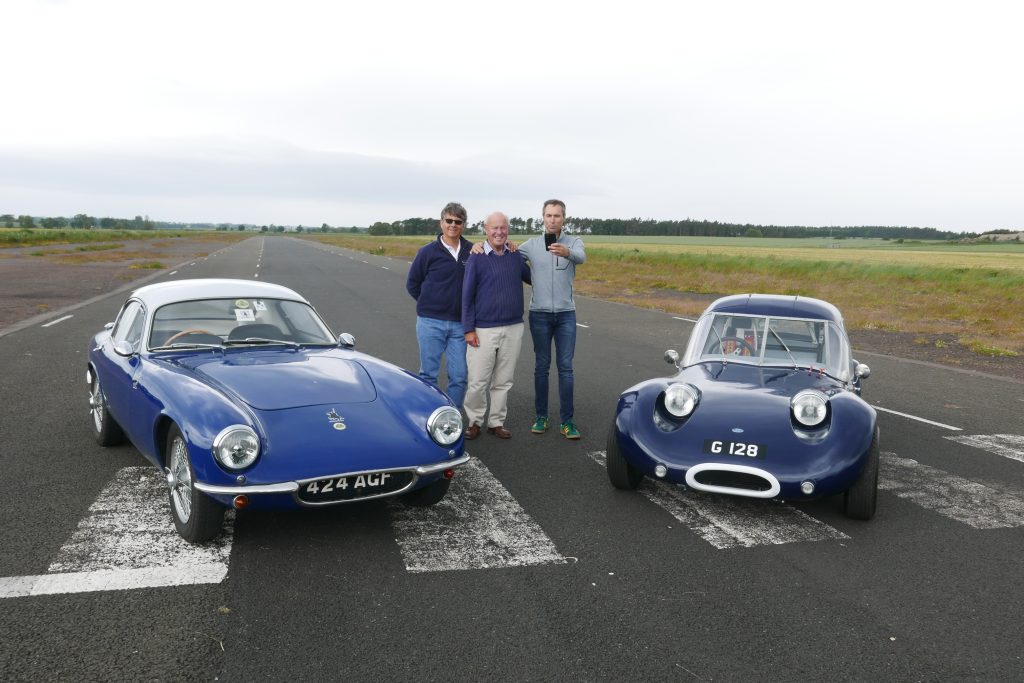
{"x": 435, "y": 280}
{"x": 492, "y": 293}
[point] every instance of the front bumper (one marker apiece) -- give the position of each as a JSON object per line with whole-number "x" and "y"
{"x": 225, "y": 494}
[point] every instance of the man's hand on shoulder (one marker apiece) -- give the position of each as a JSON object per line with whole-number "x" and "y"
{"x": 478, "y": 247}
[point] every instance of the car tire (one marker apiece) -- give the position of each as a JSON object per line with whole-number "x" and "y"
{"x": 622, "y": 474}
{"x": 862, "y": 497}
{"x": 105, "y": 427}
{"x": 197, "y": 518}
{"x": 431, "y": 494}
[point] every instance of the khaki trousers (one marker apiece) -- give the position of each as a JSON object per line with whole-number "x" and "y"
{"x": 493, "y": 363}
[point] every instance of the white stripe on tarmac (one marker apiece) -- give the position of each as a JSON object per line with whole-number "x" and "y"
{"x": 1007, "y": 445}
{"x": 110, "y": 580}
{"x": 128, "y": 541}
{"x": 478, "y": 525}
{"x": 919, "y": 419}
{"x": 963, "y": 500}
{"x": 733, "y": 521}
{"x": 58, "y": 320}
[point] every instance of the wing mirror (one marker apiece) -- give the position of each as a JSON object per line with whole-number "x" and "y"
{"x": 123, "y": 348}
{"x": 672, "y": 358}
{"x": 109, "y": 326}
{"x": 347, "y": 340}
{"x": 862, "y": 371}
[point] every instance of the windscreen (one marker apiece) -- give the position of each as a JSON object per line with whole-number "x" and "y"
{"x": 764, "y": 340}
{"x": 233, "y": 321}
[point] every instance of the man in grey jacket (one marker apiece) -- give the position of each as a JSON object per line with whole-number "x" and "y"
{"x": 553, "y": 258}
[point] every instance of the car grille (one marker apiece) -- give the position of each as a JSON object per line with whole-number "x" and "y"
{"x": 733, "y": 480}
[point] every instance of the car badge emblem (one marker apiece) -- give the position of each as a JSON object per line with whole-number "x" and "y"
{"x": 737, "y": 430}
{"x": 336, "y": 420}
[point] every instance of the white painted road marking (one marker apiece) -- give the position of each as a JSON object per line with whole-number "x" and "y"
{"x": 128, "y": 541}
{"x": 582, "y": 325}
{"x": 960, "y": 499}
{"x": 58, "y": 320}
{"x": 478, "y": 525}
{"x": 1007, "y": 445}
{"x": 733, "y": 521}
{"x": 919, "y": 419}
{"x": 689, "y": 320}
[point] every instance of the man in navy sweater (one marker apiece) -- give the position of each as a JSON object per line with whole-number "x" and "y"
{"x": 492, "y": 319}
{"x": 435, "y": 281}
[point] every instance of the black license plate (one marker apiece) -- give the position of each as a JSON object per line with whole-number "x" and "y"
{"x": 353, "y": 486}
{"x": 737, "y": 448}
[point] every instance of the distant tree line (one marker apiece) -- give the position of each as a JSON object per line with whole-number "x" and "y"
{"x": 517, "y": 225}
{"x": 683, "y": 228}
{"x": 78, "y": 221}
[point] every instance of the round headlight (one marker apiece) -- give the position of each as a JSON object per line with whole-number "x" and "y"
{"x": 236, "y": 447}
{"x": 681, "y": 399}
{"x": 809, "y": 408}
{"x": 445, "y": 425}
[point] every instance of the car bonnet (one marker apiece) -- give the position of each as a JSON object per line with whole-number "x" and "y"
{"x": 281, "y": 380}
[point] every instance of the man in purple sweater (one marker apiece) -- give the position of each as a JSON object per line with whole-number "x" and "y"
{"x": 492, "y": 319}
{"x": 435, "y": 281}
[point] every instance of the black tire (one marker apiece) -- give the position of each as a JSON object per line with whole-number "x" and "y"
{"x": 196, "y": 517}
{"x": 862, "y": 497}
{"x": 431, "y": 494}
{"x": 622, "y": 475}
{"x": 104, "y": 426}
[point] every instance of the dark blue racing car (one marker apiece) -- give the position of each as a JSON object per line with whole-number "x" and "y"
{"x": 766, "y": 404}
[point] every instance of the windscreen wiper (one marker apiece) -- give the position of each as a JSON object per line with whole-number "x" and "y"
{"x": 260, "y": 340}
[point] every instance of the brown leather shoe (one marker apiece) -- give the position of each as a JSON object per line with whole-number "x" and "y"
{"x": 472, "y": 431}
{"x": 500, "y": 432}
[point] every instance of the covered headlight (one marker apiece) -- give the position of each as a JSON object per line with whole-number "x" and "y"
{"x": 681, "y": 399}
{"x": 809, "y": 408}
{"x": 236, "y": 447}
{"x": 445, "y": 425}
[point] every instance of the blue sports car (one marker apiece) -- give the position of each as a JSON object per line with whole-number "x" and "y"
{"x": 765, "y": 404}
{"x": 242, "y": 395}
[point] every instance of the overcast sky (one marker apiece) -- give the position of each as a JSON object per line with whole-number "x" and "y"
{"x": 308, "y": 111}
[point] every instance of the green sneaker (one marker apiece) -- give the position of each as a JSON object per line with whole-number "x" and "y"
{"x": 569, "y": 430}
{"x": 540, "y": 426}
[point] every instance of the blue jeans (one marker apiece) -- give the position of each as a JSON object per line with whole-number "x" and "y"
{"x": 443, "y": 337}
{"x": 561, "y": 327}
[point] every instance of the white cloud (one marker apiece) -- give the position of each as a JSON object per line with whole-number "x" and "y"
{"x": 792, "y": 112}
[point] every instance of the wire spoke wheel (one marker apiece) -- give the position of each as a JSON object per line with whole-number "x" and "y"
{"x": 96, "y": 404}
{"x": 180, "y": 480}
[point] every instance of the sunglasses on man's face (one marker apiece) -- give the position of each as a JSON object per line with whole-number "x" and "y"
{"x": 453, "y": 221}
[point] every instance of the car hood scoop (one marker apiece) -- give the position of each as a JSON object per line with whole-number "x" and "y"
{"x": 285, "y": 380}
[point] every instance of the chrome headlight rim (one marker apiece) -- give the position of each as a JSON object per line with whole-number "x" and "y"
{"x": 227, "y": 446}
{"x": 445, "y": 425}
{"x": 809, "y": 408}
{"x": 680, "y": 400}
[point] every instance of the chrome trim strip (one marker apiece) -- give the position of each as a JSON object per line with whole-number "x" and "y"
{"x": 286, "y": 487}
{"x": 711, "y": 466}
{"x": 423, "y": 470}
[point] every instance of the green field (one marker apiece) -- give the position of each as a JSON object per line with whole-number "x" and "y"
{"x": 973, "y": 292}
{"x": 21, "y": 237}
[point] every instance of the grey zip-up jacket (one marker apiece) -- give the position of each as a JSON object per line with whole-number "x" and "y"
{"x": 552, "y": 275}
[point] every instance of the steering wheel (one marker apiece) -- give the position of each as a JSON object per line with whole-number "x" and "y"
{"x": 184, "y": 332}
{"x": 742, "y": 341}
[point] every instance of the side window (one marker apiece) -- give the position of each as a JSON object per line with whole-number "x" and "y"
{"x": 131, "y": 317}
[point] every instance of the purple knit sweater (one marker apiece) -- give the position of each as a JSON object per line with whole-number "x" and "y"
{"x": 492, "y": 290}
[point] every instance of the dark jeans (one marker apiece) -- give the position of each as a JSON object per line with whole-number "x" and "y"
{"x": 560, "y": 327}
